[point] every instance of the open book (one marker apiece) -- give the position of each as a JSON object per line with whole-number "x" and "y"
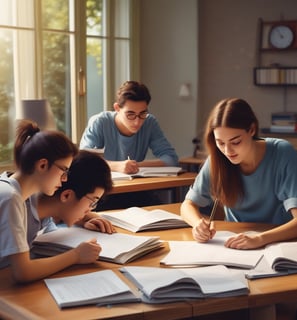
{"x": 279, "y": 259}
{"x": 148, "y": 172}
{"x": 213, "y": 252}
{"x": 136, "y": 219}
{"x": 159, "y": 285}
{"x": 101, "y": 288}
{"x": 117, "y": 247}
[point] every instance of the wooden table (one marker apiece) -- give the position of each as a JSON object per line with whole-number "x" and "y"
{"x": 36, "y": 298}
{"x": 192, "y": 163}
{"x": 142, "y": 184}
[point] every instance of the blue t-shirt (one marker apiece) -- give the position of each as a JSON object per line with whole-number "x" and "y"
{"x": 102, "y": 132}
{"x": 269, "y": 193}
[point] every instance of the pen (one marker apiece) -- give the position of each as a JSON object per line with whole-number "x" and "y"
{"x": 129, "y": 158}
{"x": 213, "y": 211}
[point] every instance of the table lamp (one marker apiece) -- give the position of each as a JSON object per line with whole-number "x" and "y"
{"x": 38, "y": 110}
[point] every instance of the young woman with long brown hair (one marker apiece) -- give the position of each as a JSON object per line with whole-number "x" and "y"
{"x": 254, "y": 179}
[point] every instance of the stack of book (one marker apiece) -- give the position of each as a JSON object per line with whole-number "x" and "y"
{"x": 285, "y": 122}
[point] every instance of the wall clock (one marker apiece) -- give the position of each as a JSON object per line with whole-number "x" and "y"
{"x": 281, "y": 36}
{"x": 278, "y": 35}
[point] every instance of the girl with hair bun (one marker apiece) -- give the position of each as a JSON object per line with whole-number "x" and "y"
{"x": 42, "y": 161}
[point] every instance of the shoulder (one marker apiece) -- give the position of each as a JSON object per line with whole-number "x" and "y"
{"x": 151, "y": 122}
{"x": 279, "y": 145}
{"x": 104, "y": 116}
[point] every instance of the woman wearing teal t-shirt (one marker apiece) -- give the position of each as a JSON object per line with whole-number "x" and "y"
{"x": 255, "y": 179}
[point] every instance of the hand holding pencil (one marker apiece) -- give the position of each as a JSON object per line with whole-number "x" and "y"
{"x": 204, "y": 230}
{"x": 131, "y": 166}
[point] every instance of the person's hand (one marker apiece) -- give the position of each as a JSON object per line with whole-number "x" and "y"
{"x": 244, "y": 241}
{"x": 130, "y": 166}
{"x": 203, "y": 231}
{"x": 99, "y": 224}
{"x": 88, "y": 252}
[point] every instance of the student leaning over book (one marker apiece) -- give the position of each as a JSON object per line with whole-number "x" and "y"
{"x": 89, "y": 178}
{"x": 42, "y": 160}
{"x": 255, "y": 179}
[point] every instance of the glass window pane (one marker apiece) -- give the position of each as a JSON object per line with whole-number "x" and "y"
{"x": 55, "y": 14}
{"x": 56, "y": 78}
{"x": 6, "y": 95}
{"x": 95, "y": 26}
{"x": 17, "y": 13}
{"x": 95, "y": 76}
{"x": 122, "y": 18}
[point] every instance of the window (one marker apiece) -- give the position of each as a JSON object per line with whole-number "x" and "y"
{"x": 73, "y": 53}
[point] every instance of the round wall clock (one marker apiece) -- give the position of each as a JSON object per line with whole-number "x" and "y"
{"x": 281, "y": 37}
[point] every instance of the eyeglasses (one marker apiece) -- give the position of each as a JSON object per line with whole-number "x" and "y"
{"x": 64, "y": 169}
{"x": 132, "y": 116}
{"x": 94, "y": 203}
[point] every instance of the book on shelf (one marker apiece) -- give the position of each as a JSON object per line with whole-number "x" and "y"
{"x": 136, "y": 219}
{"x": 148, "y": 172}
{"x": 279, "y": 259}
{"x": 100, "y": 288}
{"x": 283, "y": 128}
{"x": 213, "y": 252}
{"x": 162, "y": 285}
{"x": 117, "y": 247}
{"x": 283, "y": 122}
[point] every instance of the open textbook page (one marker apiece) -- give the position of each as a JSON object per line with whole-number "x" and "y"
{"x": 117, "y": 247}
{"x": 101, "y": 287}
{"x": 148, "y": 172}
{"x": 279, "y": 259}
{"x": 136, "y": 219}
{"x": 159, "y": 285}
{"x": 213, "y": 252}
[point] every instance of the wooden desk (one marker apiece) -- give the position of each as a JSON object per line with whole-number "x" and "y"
{"x": 143, "y": 184}
{"x": 36, "y": 298}
{"x": 192, "y": 163}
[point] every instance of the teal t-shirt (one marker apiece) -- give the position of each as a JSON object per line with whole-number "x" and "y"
{"x": 269, "y": 193}
{"x": 102, "y": 133}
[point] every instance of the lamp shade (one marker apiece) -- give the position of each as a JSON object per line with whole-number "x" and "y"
{"x": 38, "y": 110}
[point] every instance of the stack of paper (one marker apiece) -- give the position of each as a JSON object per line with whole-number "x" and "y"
{"x": 193, "y": 253}
{"x": 136, "y": 219}
{"x": 117, "y": 247}
{"x": 159, "y": 285}
{"x": 279, "y": 259}
{"x": 148, "y": 172}
{"x": 102, "y": 287}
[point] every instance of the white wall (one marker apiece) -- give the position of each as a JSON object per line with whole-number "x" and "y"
{"x": 168, "y": 32}
{"x": 222, "y": 67}
{"x": 228, "y": 40}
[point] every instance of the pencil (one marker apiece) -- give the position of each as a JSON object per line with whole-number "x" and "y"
{"x": 213, "y": 211}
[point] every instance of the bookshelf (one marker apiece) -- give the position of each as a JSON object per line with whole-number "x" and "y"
{"x": 275, "y": 61}
{"x": 275, "y": 76}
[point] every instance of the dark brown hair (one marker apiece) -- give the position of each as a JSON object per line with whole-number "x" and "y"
{"x": 132, "y": 90}
{"x": 31, "y": 145}
{"x": 225, "y": 177}
{"x": 88, "y": 171}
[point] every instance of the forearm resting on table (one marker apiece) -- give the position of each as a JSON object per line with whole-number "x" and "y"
{"x": 25, "y": 269}
{"x": 190, "y": 213}
{"x": 283, "y": 232}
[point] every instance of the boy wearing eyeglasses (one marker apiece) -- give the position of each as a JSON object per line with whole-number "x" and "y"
{"x": 127, "y": 133}
{"x": 88, "y": 180}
